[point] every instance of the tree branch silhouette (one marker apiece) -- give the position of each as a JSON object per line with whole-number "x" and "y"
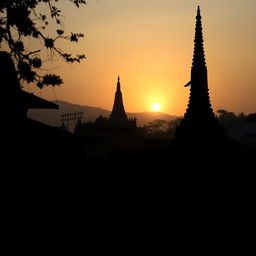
{"x": 21, "y": 20}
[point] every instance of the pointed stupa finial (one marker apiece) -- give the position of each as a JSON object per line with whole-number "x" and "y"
{"x": 198, "y": 58}
{"x": 118, "y": 88}
{"x": 198, "y": 12}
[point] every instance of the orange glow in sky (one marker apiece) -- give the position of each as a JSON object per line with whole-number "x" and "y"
{"x": 150, "y": 44}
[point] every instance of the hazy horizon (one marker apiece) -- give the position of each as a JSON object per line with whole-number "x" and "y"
{"x": 136, "y": 112}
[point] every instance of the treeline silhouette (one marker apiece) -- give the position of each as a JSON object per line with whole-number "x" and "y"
{"x": 160, "y": 127}
{"x": 229, "y": 119}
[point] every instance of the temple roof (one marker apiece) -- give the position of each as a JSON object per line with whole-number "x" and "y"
{"x": 32, "y": 101}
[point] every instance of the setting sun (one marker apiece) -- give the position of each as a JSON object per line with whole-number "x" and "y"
{"x": 156, "y": 107}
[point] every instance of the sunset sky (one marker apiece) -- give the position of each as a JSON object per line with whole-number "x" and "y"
{"x": 149, "y": 43}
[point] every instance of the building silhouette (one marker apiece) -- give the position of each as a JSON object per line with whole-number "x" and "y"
{"x": 27, "y": 140}
{"x": 199, "y": 123}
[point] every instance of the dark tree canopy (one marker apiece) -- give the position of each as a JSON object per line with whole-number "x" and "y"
{"x": 21, "y": 22}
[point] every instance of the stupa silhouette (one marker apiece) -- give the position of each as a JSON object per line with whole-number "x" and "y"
{"x": 116, "y": 124}
{"x": 118, "y": 112}
{"x": 199, "y": 123}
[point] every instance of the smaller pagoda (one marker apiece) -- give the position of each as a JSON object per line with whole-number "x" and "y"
{"x": 118, "y": 113}
{"x": 116, "y": 124}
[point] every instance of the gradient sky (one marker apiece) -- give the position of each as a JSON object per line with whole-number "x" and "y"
{"x": 150, "y": 44}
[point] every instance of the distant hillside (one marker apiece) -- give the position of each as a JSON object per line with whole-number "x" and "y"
{"x": 52, "y": 117}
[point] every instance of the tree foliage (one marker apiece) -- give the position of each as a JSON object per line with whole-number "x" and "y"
{"x": 161, "y": 128}
{"x": 228, "y": 119}
{"x": 21, "y": 22}
{"x": 157, "y": 126}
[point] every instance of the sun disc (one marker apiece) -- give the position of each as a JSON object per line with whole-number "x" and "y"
{"x": 156, "y": 107}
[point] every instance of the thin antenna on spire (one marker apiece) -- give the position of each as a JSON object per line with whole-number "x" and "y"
{"x": 118, "y": 88}
{"x": 198, "y": 11}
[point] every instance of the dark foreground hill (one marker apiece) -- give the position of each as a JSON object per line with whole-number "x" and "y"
{"x": 52, "y": 117}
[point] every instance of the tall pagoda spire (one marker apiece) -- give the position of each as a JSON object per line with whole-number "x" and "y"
{"x": 118, "y": 111}
{"x": 199, "y": 58}
{"x": 199, "y": 102}
{"x": 199, "y": 118}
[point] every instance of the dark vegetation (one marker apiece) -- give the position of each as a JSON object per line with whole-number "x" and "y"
{"x": 228, "y": 119}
